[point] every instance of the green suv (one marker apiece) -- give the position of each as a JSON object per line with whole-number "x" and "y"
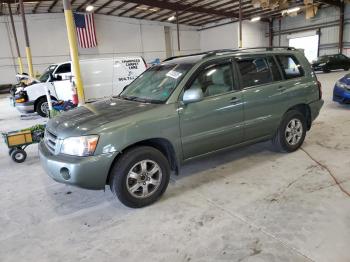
{"x": 184, "y": 108}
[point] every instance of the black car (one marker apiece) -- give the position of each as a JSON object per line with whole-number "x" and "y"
{"x": 327, "y": 63}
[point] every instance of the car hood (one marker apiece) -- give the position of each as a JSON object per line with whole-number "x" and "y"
{"x": 345, "y": 79}
{"x": 318, "y": 63}
{"x": 85, "y": 118}
{"x": 33, "y": 86}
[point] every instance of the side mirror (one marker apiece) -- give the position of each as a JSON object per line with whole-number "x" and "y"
{"x": 192, "y": 95}
{"x": 57, "y": 78}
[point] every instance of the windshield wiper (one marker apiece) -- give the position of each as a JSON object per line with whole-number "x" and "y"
{"x": 142, "y": 100}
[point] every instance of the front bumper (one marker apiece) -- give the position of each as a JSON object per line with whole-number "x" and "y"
{"x": 315, "y": 108}
{"x": 317, "y": 68}
{"x": 26, "y": 107}
{"x": 85, "y": 172}
{"x": 341, "y": 95}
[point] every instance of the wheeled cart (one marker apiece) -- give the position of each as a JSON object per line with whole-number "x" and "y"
{"x": 17, "y": 141}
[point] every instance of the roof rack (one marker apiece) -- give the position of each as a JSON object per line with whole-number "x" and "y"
{"x": 219, "y": 51}
{"x": 179, "y": 56}
{"x": 215, "y": 52}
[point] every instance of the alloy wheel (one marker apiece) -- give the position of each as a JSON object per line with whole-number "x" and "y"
{"x": 294, "y": 132}
{"x": 143, "y": 179}
{"x": 45, "y": 108}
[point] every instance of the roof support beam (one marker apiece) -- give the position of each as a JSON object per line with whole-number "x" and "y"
{"x": 234, "y": 8}
{"x": 177, "y": 7}
{"x": 331, "y": 2}
{"x": 84, "y": 4}
{"x": 36, "y": 7}
{"x": 103, "y": 6}
{"x": 128, "y": 10}
{"x": 116, "y": 8}
{"x": 52, "y": 6}
{"x": 138, "y": 13}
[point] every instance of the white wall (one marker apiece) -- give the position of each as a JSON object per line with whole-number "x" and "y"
{"x": 116, "y": 37}
{"x": 221, "y": 37}
{"x": 329, "y": 36}
{"x": 227, "y": 36}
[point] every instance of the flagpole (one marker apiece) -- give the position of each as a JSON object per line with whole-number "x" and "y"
{"x": 74, "y": 53}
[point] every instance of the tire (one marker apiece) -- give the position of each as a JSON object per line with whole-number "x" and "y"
{"x": 285, "y": 141}
{"x": 39, "y": 107}
{"x": 18, "y": 155}
{"x": 346, "y": 68}
{"x": 326, "y": 70}
{"x": 130, "y": 176}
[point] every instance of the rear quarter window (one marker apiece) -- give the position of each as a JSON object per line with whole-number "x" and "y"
{"x": 291, "y": 67}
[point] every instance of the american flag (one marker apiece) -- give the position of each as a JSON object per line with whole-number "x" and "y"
{"x": 86, "y": 33}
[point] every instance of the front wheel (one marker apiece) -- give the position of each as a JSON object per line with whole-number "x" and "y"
{"x": 326, "y": 70}
{"x": 140, "y": 176}
{"x": 42, "y": 107}
{"x": 291, "y": 132}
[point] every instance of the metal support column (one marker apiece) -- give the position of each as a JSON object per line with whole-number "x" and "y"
{"x": 271, "y": 32}
{"x": 240, "y": 24}
{"x": 279, "y": 31}
{"x": 72, "y": 39}
{"x": 178, "y": 32}
{"x": 341, "y": 27}
{"x": 19, "y": 59}
{"x": 25, "y": 30}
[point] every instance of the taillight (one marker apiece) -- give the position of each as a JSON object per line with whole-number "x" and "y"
{"x": 21, "y": 97}
{"x": 319, "y": 85}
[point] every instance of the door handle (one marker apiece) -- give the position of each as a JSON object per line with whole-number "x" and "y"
{"x": 281, "y": 88}
{"x": 235, "y": 100}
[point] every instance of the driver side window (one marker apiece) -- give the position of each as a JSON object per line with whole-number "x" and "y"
{"x": 214, "y": 80}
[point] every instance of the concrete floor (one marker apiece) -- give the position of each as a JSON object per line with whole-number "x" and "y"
{"x": 251, "y": 204}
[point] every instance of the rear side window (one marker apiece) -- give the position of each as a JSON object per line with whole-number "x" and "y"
{"x": 62, "y": 69}
{"x": 276, "y": 75}
{"x": 290, "y": 66}
{"x": 254, "y": 71}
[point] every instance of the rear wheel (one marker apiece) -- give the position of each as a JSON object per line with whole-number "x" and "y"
{"x": 346, "y": 68}
{"x": 18, "y": 155}
{"x": 291, "y": 132}
{"x": 11, "y": 150}
{"x": 140, "y": 176}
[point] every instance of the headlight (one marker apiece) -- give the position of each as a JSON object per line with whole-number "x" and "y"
{"x": 342, "y": 85}
{"x": 79, "y": 146}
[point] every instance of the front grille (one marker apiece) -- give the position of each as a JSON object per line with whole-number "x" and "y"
{"x": 50, "y": 140}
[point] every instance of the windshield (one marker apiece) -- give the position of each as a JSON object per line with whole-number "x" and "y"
{"x": 323, "y": 58}
{"x": 48, "y": 71}
{"x": 156, "y": 84}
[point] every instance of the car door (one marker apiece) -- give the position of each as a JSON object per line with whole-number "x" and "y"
{"x": 263, "y": 94}
{"x": 344, "y": 62}
{"x": 62, "y": 82}
{"x": 333, "y": 63}
{"x": 216, "y": 121}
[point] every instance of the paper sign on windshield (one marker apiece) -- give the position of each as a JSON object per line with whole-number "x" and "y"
{"x": 174, "y": 74}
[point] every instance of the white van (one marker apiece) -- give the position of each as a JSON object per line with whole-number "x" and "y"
{"x": 102, "y": 77}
